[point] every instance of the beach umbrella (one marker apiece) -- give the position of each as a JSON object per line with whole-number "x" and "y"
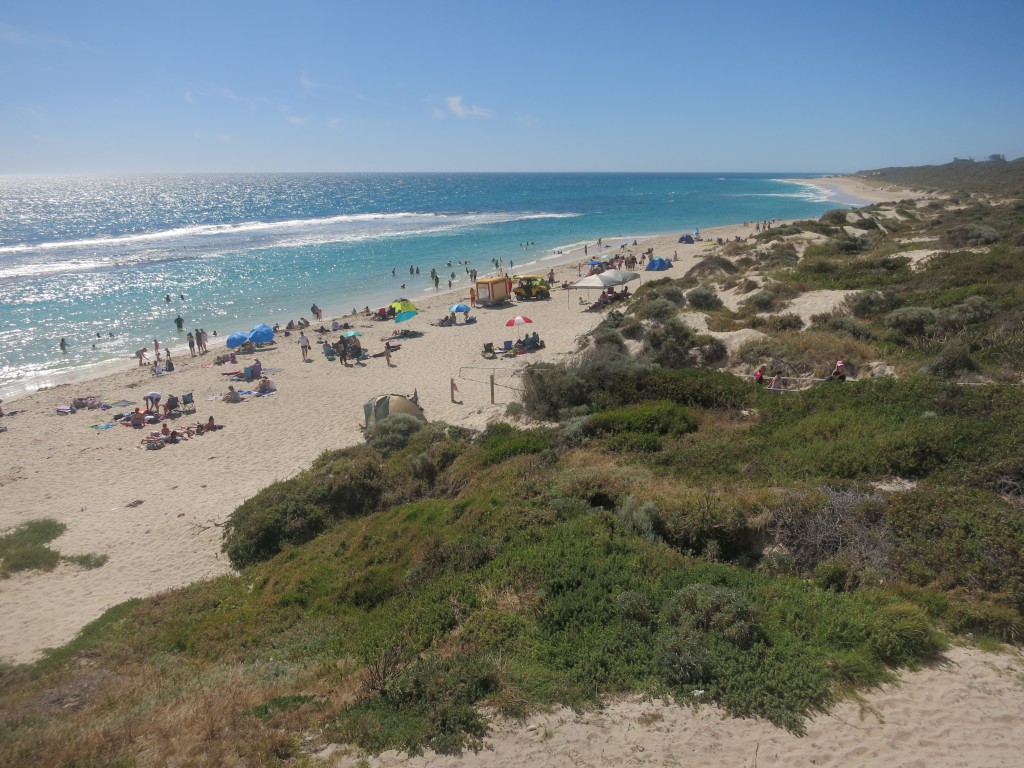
{"x": 261, "y": 334}
{"x": 237, "y": 339}
{"x": 619, "y": 276}
{"x": 408, "y": 314}
{"x": 350, "y": 334}
{"x": 458, "y": 308}
{"x": 517, "y": 320}
{"x": 595, "y": 262}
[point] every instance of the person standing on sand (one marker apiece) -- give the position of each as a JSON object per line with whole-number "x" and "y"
{"x": 472, "y": 297}
{"x": 387, "y": 354}
{"x": 191, "y": 344}
{"x": 141, "y": 355}
{"x": 304, "y": 346}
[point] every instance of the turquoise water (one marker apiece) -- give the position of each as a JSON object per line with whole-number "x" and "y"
{"x": 92, "y": 259}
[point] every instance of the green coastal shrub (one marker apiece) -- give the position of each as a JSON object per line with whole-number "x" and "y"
{"x": 392, "y": 433}
{"x": 967, "y": 235}
{"x": 668, "y": 345}
{"x": 659, "y": 417}
{"x": 954, "y": 358}
{"x": 705, "y": 525}
{"x": 716, "y": 609}
{"x": 779, "y": 254}
{"x": 502, "y": 441}
{"x": 868, "y": 304}
{"x": 841, "y": 324}
{"x": 338, "y": 485}
{"x": 761, "y": 301}
{"x": 911, "y": 321}
{"x": 704, "y": 299}
{"x": 658, "y": 309}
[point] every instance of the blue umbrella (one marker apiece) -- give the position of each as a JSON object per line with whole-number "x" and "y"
{"x": 408, "y": 314}
{"x": 261, "y": 334}
{"x": 594, "y": 262}
{"x": 458, "y": 308}
{"x": 237, "y": 339}
{"x": 349, "y": 334}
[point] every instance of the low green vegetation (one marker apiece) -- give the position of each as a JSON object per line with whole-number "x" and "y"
{"x": 657, "y": 526}
{"x": 25, "y": 549}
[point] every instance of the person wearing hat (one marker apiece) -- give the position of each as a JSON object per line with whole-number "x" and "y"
{"x": 839, "y": 372}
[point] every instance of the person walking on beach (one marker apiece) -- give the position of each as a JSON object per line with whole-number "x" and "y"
{"x": 387, "y": 354}
{"x": 203, "y": 339}
{"x": 304, "y": 346}
{"x": 191, "y": 344}
{"x": 141, "y": 355}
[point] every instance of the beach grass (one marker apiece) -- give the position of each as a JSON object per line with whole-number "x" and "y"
{"x": 659, "y": 527}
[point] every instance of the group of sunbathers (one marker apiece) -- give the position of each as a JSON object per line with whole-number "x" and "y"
{"x": 529, "y": 343}
{"x": 167, "y": 435}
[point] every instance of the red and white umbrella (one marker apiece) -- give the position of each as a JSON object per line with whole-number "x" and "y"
{"x": 518, "y": 320}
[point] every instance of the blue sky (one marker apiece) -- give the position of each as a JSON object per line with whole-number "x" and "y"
{"x": 113, "y": 87}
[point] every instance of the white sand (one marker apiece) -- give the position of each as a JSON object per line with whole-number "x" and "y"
{"x": 964, "y": 712}
{"x": 55, "y": 466}
{"x": 153, "y": 513}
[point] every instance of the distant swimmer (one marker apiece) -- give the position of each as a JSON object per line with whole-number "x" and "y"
{"x": 180, "y": 322}
{"x": 63, "y": 345}
{"x": 167, "y": 298}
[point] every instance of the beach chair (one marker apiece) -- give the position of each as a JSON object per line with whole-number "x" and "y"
{"x": 173, "y": 405}
{"x": 247, "y": 373}
{"x": 489, "y": 352}
{"x": 188, "y": 403}
{"x": 506, "y": 347}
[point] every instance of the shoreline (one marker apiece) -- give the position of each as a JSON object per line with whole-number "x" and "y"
{"x": 156, "y": 514}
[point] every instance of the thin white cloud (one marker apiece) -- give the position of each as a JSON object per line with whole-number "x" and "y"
{"x": 189, "y": 97}
{"x": 335, "y": 123}
{"x": 230, "y": 95}
{"x": 15, "y": 36}
{"x": 457, "y": 108}
{"x": 284, "y": 109}
{"x": 31, "y": 112}
{"x": 309, "y": 85}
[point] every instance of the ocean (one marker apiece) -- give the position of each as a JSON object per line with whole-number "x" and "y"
{"x": 108, "y": 262}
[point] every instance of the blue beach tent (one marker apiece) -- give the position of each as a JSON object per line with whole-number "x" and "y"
{"x": 658, "y": 265}
{"x": 688, "y": 239}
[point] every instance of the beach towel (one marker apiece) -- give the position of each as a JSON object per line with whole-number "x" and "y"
{"x": 109, "y": 425}
{"x": 122, "y": 404}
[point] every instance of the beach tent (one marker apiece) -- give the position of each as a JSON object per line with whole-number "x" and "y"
{"x": 606, "y": 278}
{"x": 403, "y": 305}
{"x": 383, "y": 406}
{"x": 688, "y": 239}
{"x": 658, "y": 265}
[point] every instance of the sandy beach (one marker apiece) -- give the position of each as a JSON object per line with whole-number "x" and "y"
{"x": 859, "y": 188}
{"x": 961, "y": 711}
{"x": 155, "y": 515}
